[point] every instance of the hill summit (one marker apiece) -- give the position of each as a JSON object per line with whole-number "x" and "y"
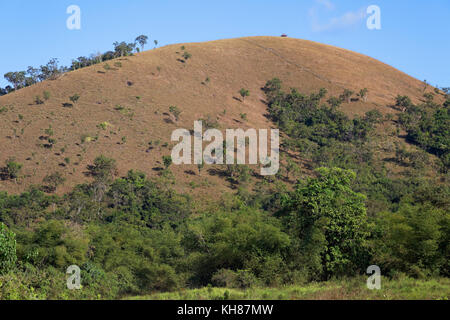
{"x": 123, "y": 106}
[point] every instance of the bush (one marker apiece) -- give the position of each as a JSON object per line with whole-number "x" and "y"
{"x": 46, "y": 95}
{"x": 224, "y": 278}
{"x": 74, "y": 98}
{"x": 38, "y": 100}
{"x": 53, "y": 181}
{"x": 13, "y": 168}
{"x": 8, "y": 255}
{"x": 413, "y": 240}
{"x": 244, "y": 93}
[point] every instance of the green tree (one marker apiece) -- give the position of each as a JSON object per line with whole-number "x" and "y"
{"x": 75, "y": 98}
{"x": 142, "y": 40}
{"x": 291, "y": 167}
{"x": 334, "y": 102}
{"x": 13, "y": 168}
{"x": 53, "y": 180}
{"x": 186, "y": 56}
{"x": 363, "y": 94}
{"x": 346, "y": 96}
{"x": 167, "y": 161}
{"x": 8, "y": 255}
{"x": 104, "y": 169}
{"x": 413, "y": 240}
{"x": 244, "y": 93}
{"x": 122, "y": 49}
{"x": 329, "y": 220}
{"x": 16, "y": 78}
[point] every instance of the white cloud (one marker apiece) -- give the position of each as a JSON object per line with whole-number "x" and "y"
{"x": 328, "y": 4}
{"x": 348, "y": 19}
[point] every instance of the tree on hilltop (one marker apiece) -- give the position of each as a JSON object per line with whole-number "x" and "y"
{"x": 142, "y": 40}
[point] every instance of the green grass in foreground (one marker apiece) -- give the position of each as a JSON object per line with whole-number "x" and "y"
{"x": 348, "y": 289}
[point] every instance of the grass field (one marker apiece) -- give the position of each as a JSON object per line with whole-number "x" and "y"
{"x": 348, "y": 289}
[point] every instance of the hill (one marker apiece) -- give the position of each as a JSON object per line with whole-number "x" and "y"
{"x": 123, "y": 106}
{"x": 362, "y": 187}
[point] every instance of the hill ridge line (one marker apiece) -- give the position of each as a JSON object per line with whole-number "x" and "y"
{"x": 305, "y": 69}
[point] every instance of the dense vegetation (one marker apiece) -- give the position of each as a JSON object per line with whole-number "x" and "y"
{"x": 134, "y": 235}
{"x": 428, "y": 125}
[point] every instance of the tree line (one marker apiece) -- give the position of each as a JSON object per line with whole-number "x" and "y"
{"x": 51, "y": 70}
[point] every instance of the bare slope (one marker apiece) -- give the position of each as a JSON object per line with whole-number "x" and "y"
{"x": 146, "y": 85}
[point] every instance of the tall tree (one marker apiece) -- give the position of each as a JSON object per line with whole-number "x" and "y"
{"x": 142, "y": 40}
{"x": 16, "y": 78}
{"x": 330, "y": 221}
{"x": 123, "y": 49}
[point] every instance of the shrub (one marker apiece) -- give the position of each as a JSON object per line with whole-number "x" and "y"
{"x": 103, "y": 169}
{"x": 38, "y": 100}
{"x": 187, "y": 56}
{"x": 8, "y": 255}
{"x": 53, "y": 180}
{"x": 75, "y": 98}
{"x": 244, "y": 93}
{"x": 167, "y": 161}
{"x": 175, "y": 111}
{"x": 346, "y": 96}
{"x": 363, "y": 94}
{"x": 224, "y": 278}
{"x": 13, "y": 168}
{"x": 46, "y": 95}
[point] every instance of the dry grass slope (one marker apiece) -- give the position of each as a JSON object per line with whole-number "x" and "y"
{"x": 124, "y": 106}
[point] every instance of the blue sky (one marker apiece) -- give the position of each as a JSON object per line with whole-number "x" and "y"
{"x": 414, "y": 36}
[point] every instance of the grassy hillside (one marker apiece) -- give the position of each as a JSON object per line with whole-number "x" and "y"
{"x": 124, "y": 103}
{"x": 363, "y": 181}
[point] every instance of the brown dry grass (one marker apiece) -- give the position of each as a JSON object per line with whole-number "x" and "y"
{"x": 160, "y": 80}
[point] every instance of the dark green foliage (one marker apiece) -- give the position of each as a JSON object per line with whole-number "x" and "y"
{"x": 7, "y": 249}
{"x": 12, "y": 169}
{"x": 304, "y": 117}
{"x": 74, "y": 98}
{"x": 134, "y": 235}
{"x": 244, "y": 93}
{"x": 167, "y": 161}
{"x": 346, "y": 96}
{"x": 142, "y": 41}
{"x": 103, "y": 169}
{"x": 52, "y": 70}
{"x": 329, "y": 224}
{"x": 414, "y": 240}
{"x": 52, "y": 181}
{"x": 242, "y": 240}
{"x": 430, "y": 129}
{"x": 122, "y": 49}
{"x": 186, "y": 56}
